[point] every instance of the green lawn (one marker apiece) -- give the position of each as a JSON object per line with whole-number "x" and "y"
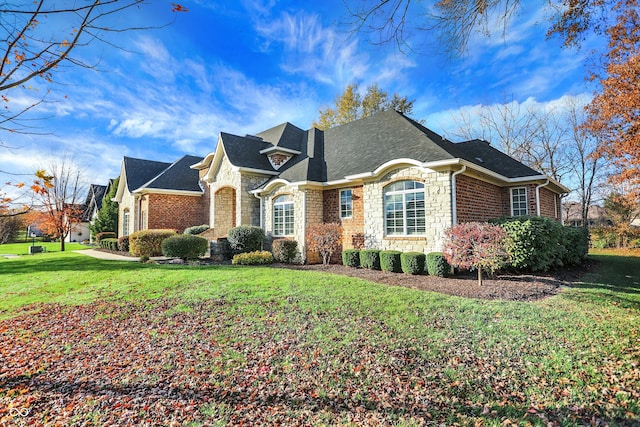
{"x": 94, "y": 342}
{"x": 23, "y": 248}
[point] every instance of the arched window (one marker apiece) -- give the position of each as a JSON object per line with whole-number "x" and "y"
{"x": 404, "y": 209}
{"x": 283, "y": 216}
{"x": 126, "y": 220}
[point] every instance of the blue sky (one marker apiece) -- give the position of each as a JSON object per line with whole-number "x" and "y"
{"x": 245, "y": 66}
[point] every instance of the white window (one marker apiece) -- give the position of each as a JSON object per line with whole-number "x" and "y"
{"x": 126, "y": 218}
{"x": 283, "y": 216}
{"x": 346, "y": 203}
{"x": 404, "y": 209}
{"x": 519, "y": 201}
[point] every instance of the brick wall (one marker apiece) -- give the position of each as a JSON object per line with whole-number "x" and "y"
{"x": 549, "y": 204}
{"x": 176, "y": 211}
{"x": 478, "y": 200}
{"x": 352, "y": 228}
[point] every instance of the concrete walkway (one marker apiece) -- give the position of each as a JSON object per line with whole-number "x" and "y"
{"x": 106, "y": 255}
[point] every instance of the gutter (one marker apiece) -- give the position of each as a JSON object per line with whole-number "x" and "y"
{"x": 538, "y": 195}
{"x": 454, "y": 205}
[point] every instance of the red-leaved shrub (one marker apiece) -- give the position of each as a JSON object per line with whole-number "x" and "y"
{"x": 324, "y": 239}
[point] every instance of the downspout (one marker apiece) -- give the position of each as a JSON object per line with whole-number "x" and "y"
{"x": 303, "y": 249}
{"x": 538, "y": 196}
{"x": 454, "y": 205}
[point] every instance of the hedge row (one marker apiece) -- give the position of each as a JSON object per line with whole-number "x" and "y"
{"x": 541, "y": 244}
{"x": 109, "y": 243}
{"x": 148, "y": 243}
{"x": 396, "y": 261}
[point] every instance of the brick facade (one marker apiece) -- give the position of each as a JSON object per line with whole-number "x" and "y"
{"x": 352, "y": 228}
{"x": 478, "y": 200}
{"x": 175, "y": 211}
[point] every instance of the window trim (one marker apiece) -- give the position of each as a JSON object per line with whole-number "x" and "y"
{"x": 347, "y": 214}
{"x": 526, "y": 201}
{"x": 405, "y": 218}
{"x": 126, "y": 221}
{"x": 284, "y": 204}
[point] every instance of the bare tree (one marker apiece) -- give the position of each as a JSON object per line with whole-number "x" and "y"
{"x": 509, "y": 125}
{"x": 38, "y": 38}
{"x": 61, "y": 204}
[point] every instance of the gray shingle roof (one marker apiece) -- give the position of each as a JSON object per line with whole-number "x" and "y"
{"x": 360, "y": 147}
{"x": 149, "y": 174}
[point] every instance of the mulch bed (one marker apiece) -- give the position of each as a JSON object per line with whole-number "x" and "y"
{"x": 508, "y": 287}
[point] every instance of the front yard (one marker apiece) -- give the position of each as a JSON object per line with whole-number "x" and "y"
{"x": 94, "y": 342}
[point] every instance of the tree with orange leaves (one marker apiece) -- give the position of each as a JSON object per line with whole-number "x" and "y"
{"x": 614, "y": 112}
{"x": 61, "y": 204}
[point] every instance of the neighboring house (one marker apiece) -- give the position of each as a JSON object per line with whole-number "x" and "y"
{"x": 389, "y": 181}
{"x": 572, "y": 215}
{"x": 154, "y": 195}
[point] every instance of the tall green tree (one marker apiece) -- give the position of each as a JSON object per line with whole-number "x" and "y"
{"x": 107, "y": 219}
{"x": 350, "y": 105}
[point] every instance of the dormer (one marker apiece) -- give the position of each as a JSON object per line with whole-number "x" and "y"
{"x": 278, "y": 156}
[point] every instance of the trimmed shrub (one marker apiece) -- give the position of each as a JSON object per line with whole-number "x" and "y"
{"x": 245, "y": 238}
{"x": 185, "y": 246}
{"x": 351, "y": 257}
{"x": 109, "y": 243}
{"x": 148, "y": 242}
{"x": 325, "y": 239}
{"x": 284, "y": 250}
{"x": 390, "y": 261}
{"x": 123, "y": 243}
{"x": 534, "y": 243}
{"x": 412, "y": 262}
{"x": 370, "y": 258}
{"x": 437, "y": 264}
{"x": 576, "y": 244}
{"x": 253, "y": 258}
{"x": 196, "y": 229}
{"x": 105, "y": 235}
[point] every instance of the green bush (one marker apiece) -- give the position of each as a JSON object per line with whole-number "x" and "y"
{"x": 109, "y": 243}
{"x": 148, "y": 242}
{"x": 245, "y": 238}
{"x": 370, "y": 258}
{"x": 437, "y": 265}
{"x": 576, "y": 243}
{"x": 534, "y": 243}
{"x": 185, "y": 246}
{"x": 196, "y": 229}
{"x": 284, "y": 250}
{"x": 351, "y": 257}
{"x": 105, "y": 235}
{"x": 253, "y": 258}
{"x": 123, "y": 243}
{"x": 412, "y": 262}
{"x": 390, "y": 261}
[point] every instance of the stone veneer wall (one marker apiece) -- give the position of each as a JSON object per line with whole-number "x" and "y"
{"x": 247, "y": 210}
{"x": 127, "y": 202}
{"x": 437, "y": 204}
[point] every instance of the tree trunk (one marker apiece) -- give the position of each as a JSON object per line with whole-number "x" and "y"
{"x": 479, "y": 277}
{"x": 62, "y": 244}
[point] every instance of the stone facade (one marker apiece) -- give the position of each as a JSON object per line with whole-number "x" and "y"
{"x": 437, "y": 204}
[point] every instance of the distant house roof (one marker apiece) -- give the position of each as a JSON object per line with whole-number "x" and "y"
{"x": 361, "y": 147}
{"x": 93, "y": 201}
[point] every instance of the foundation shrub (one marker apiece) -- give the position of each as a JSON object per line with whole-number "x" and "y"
{"x": 351, "y": 257}
{"x": 576, "y": 244}
{"x": 437, "y": 264}
{"x": 105, "y": 235}
{"x": 148, "y": 242}
{"x": 284, "y": 250}
{"x": 412, "y": 262}
{"x": 196, "y": 229}
{"x": 253, "y": 258}
{"x": 325, "y": 239}
{"x": 185, "y": 246}
{"x": 123, "y": 243}
{"x": 245, "y": 238}
{"x": 390, "y": 261}
{"x": 370, "y": 258}
{"x": 109, "y": 243}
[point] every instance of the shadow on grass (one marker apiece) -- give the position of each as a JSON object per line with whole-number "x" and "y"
{"x": 614, "y": 279}
{"x": 165, "y": 396}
